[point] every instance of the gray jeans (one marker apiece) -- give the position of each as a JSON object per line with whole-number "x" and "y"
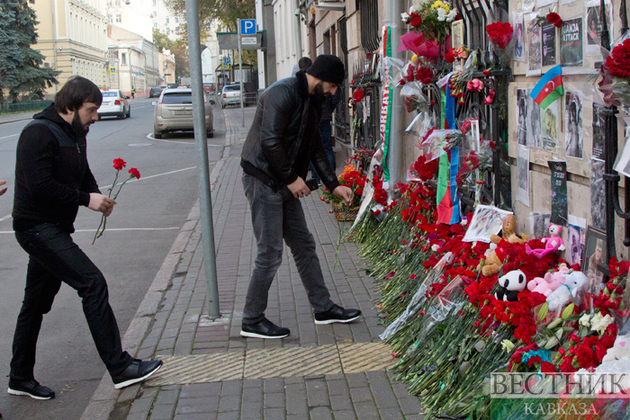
{"x": 274, "y": 219}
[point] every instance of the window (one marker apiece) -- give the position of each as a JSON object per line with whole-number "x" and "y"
{"x": 167, "y": 20}
{"x": 168, "y": 31}
{"x": 155, "y": 25}
{"x": 176, "y": 19}
{"x": 123, "y": 59}
{"x": 118, "y": 18}
{"x": 155, "y": 2}
{"x": 177, "y": 98}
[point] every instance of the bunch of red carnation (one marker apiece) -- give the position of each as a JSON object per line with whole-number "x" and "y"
{"x": 555, "y": 19}
{"x": 357, "y": 95}
{"x": 423, "y": 169}
{"x": 618, "y": 62}
{"x": 588, "y": 352}
{"x": 415, "y": 19}
{"x": 424, "y": 74}
{"x": 500, "y": 33}
{"x": 380, "y": 195}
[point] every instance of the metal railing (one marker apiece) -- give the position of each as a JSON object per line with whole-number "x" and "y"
{"x": 17, "y": 107}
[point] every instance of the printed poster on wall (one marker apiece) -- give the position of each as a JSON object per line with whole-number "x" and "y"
{"x": 559, "y": 199}
{"x": 576, "y": 235}
{"x": 543, "y": 3}
{"x": 528, "y": 5}
{"x": 571, "y": 43}
{"x": 522, "y": 174}
{"x": 534, "y": 133}
{"x": 549, "y": 123}
{"x": 573, "y": 136}
{"x": 593, "y": 25}
{"x": 598, "y": 194}
{"x": 521, "y": 122}
{"x": 534, "y": 49}
{"x": 548, "y": 44}
{"x": 598, "y": 131}
{"x": 519, "y": 43}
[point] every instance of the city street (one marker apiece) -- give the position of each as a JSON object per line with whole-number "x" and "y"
{"x": 140, "y": 232}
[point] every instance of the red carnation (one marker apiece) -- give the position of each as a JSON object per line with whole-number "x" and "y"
{"x": 449, "y": 56}
{"x": 424, "y": 74}
{"x": 119, "y": 164}
{"x": 358, "y": 95}
{"x": 415, "y": 20}
{"x": 618, "y": 62}
{"x": 500, "y": 33}
{"x": 555, "y": 19}
{"x": 134, "y": 173}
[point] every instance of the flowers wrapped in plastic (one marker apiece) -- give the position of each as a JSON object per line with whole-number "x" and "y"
{"x": 615, "y": 82}
{"x": 501, "y": 35}
{"x": 438, "y": 142}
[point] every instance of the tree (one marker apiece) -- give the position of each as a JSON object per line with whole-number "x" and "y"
{"x": 177, "y": 48}
{"x": 20, "y": 65}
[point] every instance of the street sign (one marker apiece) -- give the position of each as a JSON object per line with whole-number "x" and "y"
{"x": 249, "y": 40}
{"x": 226, "y": 61}
{"x": 112, "y": 70}
{"x": 248, "y": 26}
{"x": 138, "y": 73}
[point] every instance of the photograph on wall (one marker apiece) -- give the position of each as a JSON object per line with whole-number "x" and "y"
{"x": 593, "y": 25}
{"x": 559, "y": 196}
{"x": 576, "y": 239}
{"x": 598, "y": 194}
{"x": 457, "y": 33}
{"x": 534, "y": 133}
{"x": 543, "y": 3}
{"x": 571, "y": 43}
{"x": 622, "y": 162}
{"x": 548, "y": 44}
{"x": 539, "y": 225}
{"x": 534, "y": 50}
{"x": 594, "y": 254}
{"x": 598, "y": 131}
{"x": 573, "y": 136}
{"x": 486, "y": 221}
{"x": 519, "y": 42}
{"x": 528, "y": 5}
{"x": 521, "y": 124}
{"x": 549, "y": 125}
{"x": 522, "y": 174}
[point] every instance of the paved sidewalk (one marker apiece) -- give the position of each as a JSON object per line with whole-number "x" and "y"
{"x": 335, "y": 371}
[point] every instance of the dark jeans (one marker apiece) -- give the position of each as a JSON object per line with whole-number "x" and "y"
{"x": 325, "y": 131}
{"x": 274, "y": 219}
{"x": 54, "y": 257}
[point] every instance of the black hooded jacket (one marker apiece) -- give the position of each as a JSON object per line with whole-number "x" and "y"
{"x": 52, "y": 177}
{"x": 284, "y": 136}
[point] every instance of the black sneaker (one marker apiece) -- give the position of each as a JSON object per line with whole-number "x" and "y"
{"x": 337, "y": 314}
{"x": 30, "y": 388}
{"x": 137, "y": 371}
{"x": 264, "y": 329}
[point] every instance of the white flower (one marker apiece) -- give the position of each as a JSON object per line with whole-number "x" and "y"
{"x": 585, "y": 321}
{"x": 435, "y": 247}
{"x": 441, "y": 14}
{"x": 599, "y": 323}
{"x": 507, "y": 346}
{"x": 414, "y": 9}
{"x": 405, "y": 17}
{"x": 451, "y": 15}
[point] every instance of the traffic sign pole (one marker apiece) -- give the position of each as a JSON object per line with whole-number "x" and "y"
{"x": 240, "y": 70}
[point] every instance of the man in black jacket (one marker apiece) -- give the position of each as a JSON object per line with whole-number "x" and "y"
{"x": 52, "y": 179}
{"x": 283, "y": 139}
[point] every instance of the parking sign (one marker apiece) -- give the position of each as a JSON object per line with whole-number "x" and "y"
{"x": 248, "y": 26}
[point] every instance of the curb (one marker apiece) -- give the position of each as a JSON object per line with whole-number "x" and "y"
{"x": 104, "y": 399}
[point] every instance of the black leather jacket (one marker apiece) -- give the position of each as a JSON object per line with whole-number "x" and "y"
{"x": 284, "y": 136}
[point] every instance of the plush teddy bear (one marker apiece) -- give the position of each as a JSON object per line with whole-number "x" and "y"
{"x": 620, "y": 350}
{"x": 511, "y": 284}
{"x": 495, "y": 256}
{"x": 549, "y": 283}
{"x": 575, "y": 285}
{"x": 552, "y": 244}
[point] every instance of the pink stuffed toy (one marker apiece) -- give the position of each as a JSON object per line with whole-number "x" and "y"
{"x": 552, "y": 244}
{"x": 550, "y": 282}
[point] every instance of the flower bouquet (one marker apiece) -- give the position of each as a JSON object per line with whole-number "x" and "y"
{"x": 356, "y": 181}
{"x": 615, "y": 83}
{"x": 438, "y": 142}
{"x": 501, "y": 34}
{"x": 432, "y": 18}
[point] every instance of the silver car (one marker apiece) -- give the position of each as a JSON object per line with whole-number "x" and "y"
{"x": 231, "y": 95}
{"x": 114, "y": 104}
{"x": 173, "y": 112}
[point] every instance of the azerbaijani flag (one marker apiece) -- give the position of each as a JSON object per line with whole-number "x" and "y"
{"x": 549, "y": 87}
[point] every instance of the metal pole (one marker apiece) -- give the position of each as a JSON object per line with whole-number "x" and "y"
{"x": 205, "y": 199}
{"x": 54, "y": 38}
{"x": 298, "y": 28}
{"x": 395, "y": 152}
{"x": 240, "y": 71}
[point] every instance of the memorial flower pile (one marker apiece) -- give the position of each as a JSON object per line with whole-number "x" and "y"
{"x": 350, "y": 178}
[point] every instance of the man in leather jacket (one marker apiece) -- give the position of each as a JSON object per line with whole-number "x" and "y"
{"x": 283, "y": 139}
{"x": 52, "y": 180}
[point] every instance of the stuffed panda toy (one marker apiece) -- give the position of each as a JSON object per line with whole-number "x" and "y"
{"x": 511, "y": 284}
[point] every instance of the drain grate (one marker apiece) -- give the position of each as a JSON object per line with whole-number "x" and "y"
{"x": 272, "y": 363}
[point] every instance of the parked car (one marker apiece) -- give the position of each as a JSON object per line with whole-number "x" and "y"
{"x": 172, "y": 85}
{"x": 208, "y": 87}
{"x": 173, "y": 112}
{"x": 231, "y": 95}
{"x": 154, "y": 92}
{"x": 114, "y": 104}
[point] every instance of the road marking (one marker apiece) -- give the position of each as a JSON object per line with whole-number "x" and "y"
{"x": 2, "y": 219}
{"x": 139, "y": 144}
{"x": 150, "y": 137}
{"x": 12, "y": 135}
{"x": 115, "y": 229}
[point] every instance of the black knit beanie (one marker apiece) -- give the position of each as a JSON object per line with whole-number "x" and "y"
{"x": 328, "y": 68}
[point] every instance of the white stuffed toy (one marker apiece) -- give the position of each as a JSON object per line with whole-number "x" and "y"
{"x": 575, "y": 285}
{"x": 620, "y": 351}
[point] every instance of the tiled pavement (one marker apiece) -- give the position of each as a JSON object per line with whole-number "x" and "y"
{"x": 171, "y": 324}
